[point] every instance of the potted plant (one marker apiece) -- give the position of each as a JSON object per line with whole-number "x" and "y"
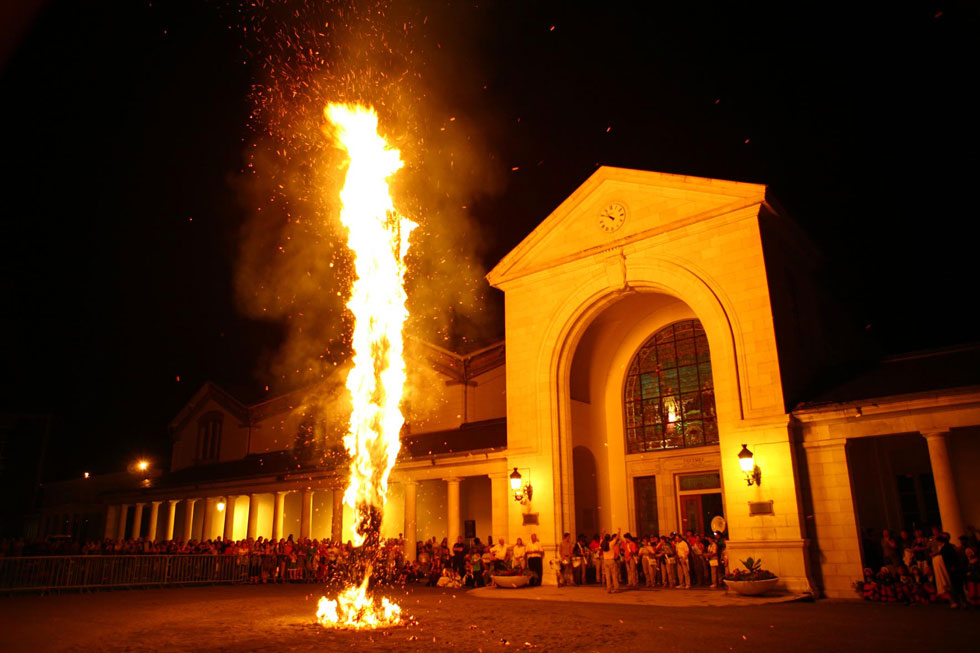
{"x": 752, "y": 580}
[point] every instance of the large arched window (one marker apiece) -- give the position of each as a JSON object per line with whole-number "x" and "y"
{"x": 670, "y": 399}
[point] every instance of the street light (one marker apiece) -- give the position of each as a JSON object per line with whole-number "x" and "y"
{"x": 522, "y": 493}
{"x": 746, "y": 460}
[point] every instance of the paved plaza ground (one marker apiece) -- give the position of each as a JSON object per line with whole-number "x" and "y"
{"x": 280, "y": 618}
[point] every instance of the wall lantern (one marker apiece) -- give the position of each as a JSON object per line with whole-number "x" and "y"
{"x": 522, "y": 493}
{"x": 753, "y": 475}
{"x": 221, "y": 506}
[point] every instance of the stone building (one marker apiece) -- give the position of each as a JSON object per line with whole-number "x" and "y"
{"x": 657, "y": 326}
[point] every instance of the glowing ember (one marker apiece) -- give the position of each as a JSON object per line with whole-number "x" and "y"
{"x": 378, "y": 237}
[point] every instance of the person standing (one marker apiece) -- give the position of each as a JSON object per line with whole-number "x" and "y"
{"x": 535, "y": 556}
{"x": 649, "y": 562}
{"x": 580, "y": 560}
{"x": 459, "y": 556}
{"x": 630, "y": 551}
{"x": 889, "y": 551}
{"x": 595, "y": 558}
{"x": 518, "y": 553}
{"x": 565, "y": 551}
{"x": 664, "y": 553}
{"x": 610, "y": 571}
{"x": 683, "y": 562}
{"x": 713, "y": 562}
{"x": 956, "y": 571}
{"x": 476, "y": 566}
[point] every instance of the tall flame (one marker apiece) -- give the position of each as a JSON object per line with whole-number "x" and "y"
{"x": 378, "y": 237}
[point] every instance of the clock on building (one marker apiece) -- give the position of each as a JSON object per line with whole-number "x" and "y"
{"x": 612, "y": 217}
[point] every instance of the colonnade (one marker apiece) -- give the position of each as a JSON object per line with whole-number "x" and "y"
{"x": 117, "y": 516}
{"x": 499, "y": 498}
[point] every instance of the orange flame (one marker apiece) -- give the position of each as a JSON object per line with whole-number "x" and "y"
{"x": 378, "y": 237}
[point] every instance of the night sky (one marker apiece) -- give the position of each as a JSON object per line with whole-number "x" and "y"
{"x": 127, "y": 187}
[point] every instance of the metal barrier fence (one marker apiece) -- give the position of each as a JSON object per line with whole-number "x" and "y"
{"x": 83, "y": 572}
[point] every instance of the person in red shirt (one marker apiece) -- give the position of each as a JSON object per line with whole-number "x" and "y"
{"x": 630, "y": 550}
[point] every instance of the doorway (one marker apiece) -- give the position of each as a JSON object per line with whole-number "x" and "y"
{"x": 698, "y": 510}
{"x": 700, "y": 501}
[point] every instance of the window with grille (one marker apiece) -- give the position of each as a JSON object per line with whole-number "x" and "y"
{"x": 669, "y": 399}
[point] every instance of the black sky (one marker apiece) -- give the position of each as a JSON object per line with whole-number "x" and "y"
{"x": 126, "y": 128}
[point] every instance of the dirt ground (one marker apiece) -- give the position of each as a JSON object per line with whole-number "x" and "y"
{"x": 258, "y": 618}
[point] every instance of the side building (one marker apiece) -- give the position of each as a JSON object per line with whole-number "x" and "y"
{"x": 277, "y": 468}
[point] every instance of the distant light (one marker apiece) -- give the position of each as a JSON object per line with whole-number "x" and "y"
{"x": 142, "y": 465}
{"x": 86, "y": 475}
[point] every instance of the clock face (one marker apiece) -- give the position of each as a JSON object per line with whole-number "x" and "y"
{"x": 612, "y": 217}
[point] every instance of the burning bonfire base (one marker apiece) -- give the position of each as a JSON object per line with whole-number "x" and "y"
{"x": 378, "y": 238}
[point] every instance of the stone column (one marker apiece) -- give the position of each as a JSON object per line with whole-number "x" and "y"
{"x": 207, "y": 527}
{"x": 499, "y": 497}
{"x": 337, "y": 519}
{"x": 137, "y": 521}
{"x": 306, "y": 514}
{"x": 189, "y": 519}
{"x": 277, "y": 514}
{"x": 229, "y": 531}
{"x": 154, "y": 517}
{"x": 452, "y": 507}
{"x": 168, "y": 534}
{"x": 411, "y": 525}
{"x": 111, "y": 521}
{"x": 942, "y": 474}
{"x": 253, "y": 515}
{"x": 123, "y": 513}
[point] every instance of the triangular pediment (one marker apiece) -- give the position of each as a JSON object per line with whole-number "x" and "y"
{"x": 209, "y": 392}
{"x": 619, "y": 205}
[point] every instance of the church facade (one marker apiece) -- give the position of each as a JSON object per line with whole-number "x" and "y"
{"x": 658, "y": 329}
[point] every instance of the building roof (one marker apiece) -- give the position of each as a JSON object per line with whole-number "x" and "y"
{"x": 906, "y": 374}
{"x": 472, "y": 436}
{"x": 273, "y": 463}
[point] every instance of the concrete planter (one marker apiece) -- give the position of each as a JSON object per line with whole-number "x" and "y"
{"x": 510, "y": 581}
{"x": 752, "y": 587}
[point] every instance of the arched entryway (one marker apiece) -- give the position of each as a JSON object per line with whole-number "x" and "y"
{"x": 609, "y": 432}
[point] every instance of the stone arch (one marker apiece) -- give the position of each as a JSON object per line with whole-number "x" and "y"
{"x": 569, "y": 324}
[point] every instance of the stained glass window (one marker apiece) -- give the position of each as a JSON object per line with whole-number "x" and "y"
{"x": 669, "y": 399}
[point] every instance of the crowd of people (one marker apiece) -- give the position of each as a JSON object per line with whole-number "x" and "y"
{"x": 620, "y": 560}
{"x": 919, "y": 568}
{"x": 911, "y": 567}
{"x": 616, "y": 561}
